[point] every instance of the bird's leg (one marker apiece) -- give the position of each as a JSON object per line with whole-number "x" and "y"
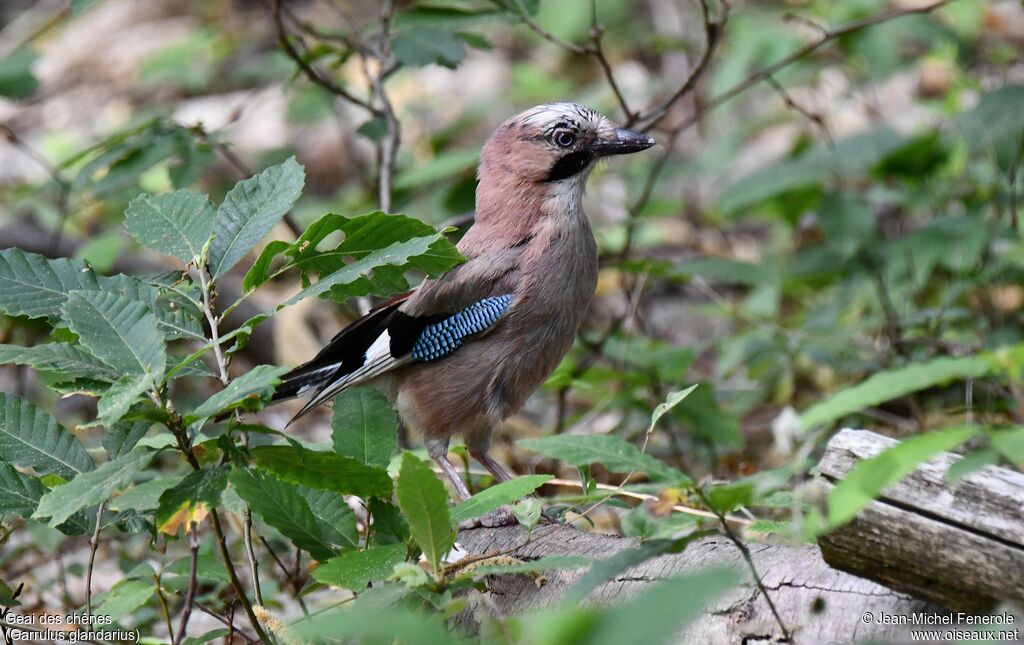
{"x": 493, "y": 467}
{"x": 438, "y": 451}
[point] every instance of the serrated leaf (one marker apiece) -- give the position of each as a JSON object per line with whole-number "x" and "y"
{"x": 336, "y": 519}
{"x": 356, "y": 569}
{"x": 364, "y": 426}
{"x": 424, "y": 503}
{"x": 61, "y": 359}
{"x": 92, "y": 487}
{"x": 324, "y": 470}
{"x": 250, "y": 210}
{"x": 19, "y": 493}
{"x": 281, "y": 506}
{"x": 177, "y": 315}
{"x": 353, "y": 279}
{"x": 122, "y": 333}
{"x": 124, "y": 598}
{"x": 16, "y": 78}
{"x": 428, "y": 45}
{"x": 892, "y": 384}
{"x": 614, "y": 453}
{"x": 143, "y": 497}
{"x": 176, "y": 224}
{"x": 32, "y": 438}
{"x": 870, "y": 477}
{"x": 256, "y": 385}
{"x": 117, "y": 398}
{"x": 34, "y": 286}
{"x": 496, "y": 496}
{"x": 201, "y": 488}
{"x": 120, "y": 438}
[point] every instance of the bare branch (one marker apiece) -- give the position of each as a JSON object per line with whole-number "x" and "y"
{"x": 94, "y": 542}
{"x": 311, "y": 72}
{"x": 516, "y": 8}
{"x": 713, "y": 30}
{"x": 190, "y": 595}
{"x": 814, "y": 117}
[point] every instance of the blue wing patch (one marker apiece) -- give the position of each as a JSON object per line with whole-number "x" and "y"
{"x": 443, "y": 337}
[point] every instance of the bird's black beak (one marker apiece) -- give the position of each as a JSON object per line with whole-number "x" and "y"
{"x": 623, "y": 143}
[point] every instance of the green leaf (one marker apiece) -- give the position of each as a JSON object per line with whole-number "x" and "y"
{"x": 614, "y": 453}
{"x": 659, "y": 613}
{"x": 356, "y": 569}
{"x": 672, "y": 400}
{"x": 324, "y": 470}
{"x": 92, "y": 487}
{"x": 120, "y": 438}
{"x": 497, "y": 496}
{"x": 364, "y": 235}
{"x": 1011, "y": 444}
{"x": 428, "y": 45}
{"x": 143, "y": 497}
{"x": 892, "y": 384}
{"x": 59, "y": 359}
{"x": 19, "y": 493}
{"x": 971, "y": 462}
{"x": 547, "y": 563}
{"x": 336, "y": 519}
{"x": 124, "y": 598}
{"x": 176, "y": 224}
{"x": 16, "y": 78}
{"x": 424, "y": 503}
{"x": 200, "y": 487}
{"x": 119, "y": 397}
{"x": 34, "y": 286}
{"x": 122, "y": 333}
{"x": 373, "y": 624}
{"x": 208, "y": 567}
{"x": 281, "y": 506}
{"x": 255, "y": 386}
{"x": 32, "y": 438}
{"x": 250, "y": 210}
{"x": 365, "y": 426}
{"x": 869, "y": 478}
{"x": 354, "y": 280}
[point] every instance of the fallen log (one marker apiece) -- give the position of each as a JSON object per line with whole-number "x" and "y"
{"x": 816, "y": 603}
{"x": 960, "y": 547}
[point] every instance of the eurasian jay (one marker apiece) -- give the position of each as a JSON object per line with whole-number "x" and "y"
{"x": 462, "y": 352}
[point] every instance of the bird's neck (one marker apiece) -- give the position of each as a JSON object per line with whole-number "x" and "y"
{"x": 513, "y": 209}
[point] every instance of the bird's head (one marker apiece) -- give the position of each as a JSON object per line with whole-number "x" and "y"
{"x": 554, "y": 146}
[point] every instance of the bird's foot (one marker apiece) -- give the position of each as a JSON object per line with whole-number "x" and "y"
{"x": 498, "y": 517}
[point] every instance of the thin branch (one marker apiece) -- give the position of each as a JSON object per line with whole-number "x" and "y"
{"x": 190, "y": 595}
{"x": 810, "y": 48}
{"x": 815, "y": 118}
{"x": 311, "y": 72}
{"x": 94, "y": 542}
{"x": 254, "y": 567}
{"x": 222, "y": 620}
{"x": 597, "y": 49}
{"x": 62, "y": 183}
{"x": 713, "y": 30}
{"x": 515, "y": 7}
{"x": 750, "y": 562}
{"x": 1012, "y": 177}
{"x": 163, "y": 606}
{"x": 388, "y": 146}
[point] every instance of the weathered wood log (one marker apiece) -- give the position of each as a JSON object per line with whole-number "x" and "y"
{"x": 817, "y": 604}
{"x": 960, "y": 547}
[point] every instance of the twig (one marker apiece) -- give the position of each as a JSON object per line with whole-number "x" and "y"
{"x": 94, "y": 542}
{"x": 190, "y": 595}
{"x": 1012, "y": 177}
{"x": 713, "y": 30}
{"x": 63, "y": 185}
{"x": 813, "y": 117}
{"x": 597, "y": 49}
{"x": 388, "y": 146}
{"x": 254, "y": 566}
{"x": 810, "y": 48}
{"x": 750, "y": 562}
{"x": 515, "y": 7}
{"x": 311, "y": 72}
{"x": 163, "y": 605}
{"x": 206, "y": 287}
{"x": 222, "y": 620}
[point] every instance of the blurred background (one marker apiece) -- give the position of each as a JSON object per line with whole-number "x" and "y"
{"x": 835, "y": 193}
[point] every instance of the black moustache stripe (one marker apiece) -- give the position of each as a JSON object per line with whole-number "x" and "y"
{"x": 569, "y": 165}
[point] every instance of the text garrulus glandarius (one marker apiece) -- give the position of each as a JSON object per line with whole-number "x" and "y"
{"x": 464, "y": 351}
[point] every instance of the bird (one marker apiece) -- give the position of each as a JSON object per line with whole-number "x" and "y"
{"x": 463, "y": 351}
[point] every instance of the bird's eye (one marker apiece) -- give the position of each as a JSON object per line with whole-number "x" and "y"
{"x": 564, "y": 139}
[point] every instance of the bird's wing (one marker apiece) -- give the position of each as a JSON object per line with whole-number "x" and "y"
{"x": 420, "y": 326}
